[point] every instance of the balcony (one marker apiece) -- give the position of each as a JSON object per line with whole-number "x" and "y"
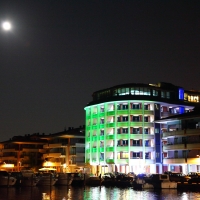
{"x": 122, "y": 112}
{"x": 192, "y": 132}
{"x": 110, "y": 137}
{"x": 94, "y": 138}
{"x": 148, "y": 112}
{"x": 136, "y": 161}
{"x": 193, "y": 146}
{"x": 136, "y": 136}
{"x": 136, "y": 148}
{"x": 111, "y": 124}
{"x": 123, "y": 136}
{"x": 52, "y": 145}
{"x": 110, "y": 161}
{"x": 173, "y": 134}
{"x": 94, "y": 149}
{"x": 149, "y": 149}
{"x": 110, "y": 113}
{"x": 87, "y": 150}
{"x": 101, "y": 149}
{"x": 110, "y": 149}
{"x": 30, "y": 150}
{"x": 54, "y": 155}
{"x": 42, "y": 151}
{"x": 94, "y": 114}
{"x": 9, "y": 150}
{"x": 8, "y": 158}
{"x": 141, "y": 136}
{"x": 94, "y": 126}
{"x": 136, "y": 123}
{"x": 149, "y": 161}
{"x": 123, "y": 123}
{"x": 136, "y": 111}
{"x": 122, "y": 148}
{"x": 174, "y": 147}
{"x": 101, "y": 137}
{"x": 174, "y": 161}
{"x": 148, "y": 136}
{"x": 187, "y": 132}
{"x": 101, "y": 114}
{"x": 148, "y": 124}
{"x": 122, "y": 161}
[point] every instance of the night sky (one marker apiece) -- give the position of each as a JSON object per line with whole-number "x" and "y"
{"x": 59, "y": 52}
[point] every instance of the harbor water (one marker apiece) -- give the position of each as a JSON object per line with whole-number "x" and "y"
{"x": 93, "y": 193}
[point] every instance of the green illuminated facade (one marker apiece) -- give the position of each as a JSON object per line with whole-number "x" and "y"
{"x": 120, "y": 131}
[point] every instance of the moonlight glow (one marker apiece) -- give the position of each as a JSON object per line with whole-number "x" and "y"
{"x": 6, "y": 26}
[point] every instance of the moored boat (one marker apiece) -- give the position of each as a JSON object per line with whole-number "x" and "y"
{"x": 29, "y": 178}
{"x": 123, "y": 180}
{"x": 78, "y": 179}
{"x": 64, "y": 178}
{"x": 93, "y": 181}
{"x": 161, "y": 181}
{"x": 6, "y": 179}
{"x": 156, "y": 181}
{"x": 108, "y": 179}
{"x": 47, "y": 178}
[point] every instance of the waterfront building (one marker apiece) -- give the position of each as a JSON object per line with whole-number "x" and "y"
{"x": 22, "y": 152}
{"x": 63, "y": 151}
{"x": 120, "y": 131}
{"x": 181, "y": 142}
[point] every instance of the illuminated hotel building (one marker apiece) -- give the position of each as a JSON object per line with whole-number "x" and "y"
{"x": 120, "y": 131}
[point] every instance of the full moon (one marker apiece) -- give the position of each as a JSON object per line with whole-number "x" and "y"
{"x": 6, "y": 26}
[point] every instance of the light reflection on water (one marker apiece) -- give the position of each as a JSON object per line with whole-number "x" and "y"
{"x": 93, "y": 193}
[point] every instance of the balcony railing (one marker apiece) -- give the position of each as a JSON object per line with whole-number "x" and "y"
{"x": 110, "y": 149}
{"x": 110, "y": 160}
{"x": 52, "y": 145}
{"x": 195, "y": 145}
{"x": 174, "y": 161}
{"x": 8, "y": 150}
{"x": 176, "y": 133}
{"x": 174, "y": 147}
{"x": 109, "y": 137}
{"x": 122, "y": 161}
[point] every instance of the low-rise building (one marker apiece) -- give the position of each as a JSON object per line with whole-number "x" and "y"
{"x": 64, "y": 151}
{"x": 181, "y": 142}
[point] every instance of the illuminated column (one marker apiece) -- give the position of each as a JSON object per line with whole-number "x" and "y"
{"x": 68, "y": 152}
{"x": 18, "y": 159}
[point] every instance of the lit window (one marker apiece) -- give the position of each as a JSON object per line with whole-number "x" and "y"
{"x": 155, "y": 93}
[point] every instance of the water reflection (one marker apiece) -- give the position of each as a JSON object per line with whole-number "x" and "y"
{"x": 92, "y": 193}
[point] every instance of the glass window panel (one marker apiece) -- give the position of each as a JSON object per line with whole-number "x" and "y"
{"x": 137, "y": 92}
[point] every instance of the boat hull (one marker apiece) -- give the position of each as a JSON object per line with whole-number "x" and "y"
{"x": 7, "y": 181}
{"x": 65, "y": 178}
